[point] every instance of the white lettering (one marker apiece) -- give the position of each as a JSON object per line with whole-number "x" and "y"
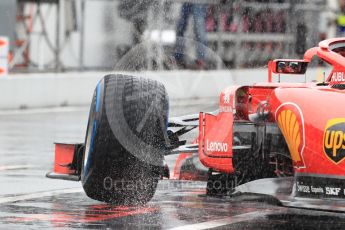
{"x": 317, "y": 189}
{"x": 338, "y": 76}
{"x": 216, "y": 146}
{"x": 225, "y": 109}
{"x": 226, "y": 98}
{"x": 303, "y": 188}
{"x": 332, "y": 191}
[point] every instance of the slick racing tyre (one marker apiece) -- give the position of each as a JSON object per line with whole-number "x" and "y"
{"x": 125, "y": 140}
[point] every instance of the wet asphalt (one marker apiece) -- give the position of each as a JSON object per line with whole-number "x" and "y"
{"x": 29, "y": 200}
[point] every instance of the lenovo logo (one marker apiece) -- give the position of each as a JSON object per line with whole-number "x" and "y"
{"x": 216, "y": 146}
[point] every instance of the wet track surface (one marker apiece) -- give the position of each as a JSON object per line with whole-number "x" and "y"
{"x": 28, "y": 200}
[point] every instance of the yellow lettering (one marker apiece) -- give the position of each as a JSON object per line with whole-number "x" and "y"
{"x": 338, "y": 141}
{"x": 329, "y": 141}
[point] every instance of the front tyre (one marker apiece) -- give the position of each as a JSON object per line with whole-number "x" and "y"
{"x": 125, "y": 140}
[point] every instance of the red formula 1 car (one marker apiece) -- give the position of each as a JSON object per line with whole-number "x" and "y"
{"x": 286, "y": 140}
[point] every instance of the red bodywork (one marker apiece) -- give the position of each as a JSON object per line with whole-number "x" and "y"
{"x": 64, "y": 154}
{"x": 310, "y": 116}
{"x": 67, "y": 161}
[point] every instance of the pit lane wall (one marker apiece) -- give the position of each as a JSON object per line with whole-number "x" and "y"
{"x": 42, "y": 90}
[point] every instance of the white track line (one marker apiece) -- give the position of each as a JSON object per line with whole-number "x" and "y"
{"x": 38, "y": 195}
{"x": 44, "y": 110}
{"x": 12, "y": 167}
{"x": 226, "y": 221}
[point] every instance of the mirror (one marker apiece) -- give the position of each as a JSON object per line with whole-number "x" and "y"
{"x": 290, "y": 66}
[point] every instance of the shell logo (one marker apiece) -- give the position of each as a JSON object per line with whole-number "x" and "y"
{"x": 290, "y": 122}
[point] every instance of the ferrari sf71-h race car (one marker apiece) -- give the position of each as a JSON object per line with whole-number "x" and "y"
{"x": 285, "y": 140}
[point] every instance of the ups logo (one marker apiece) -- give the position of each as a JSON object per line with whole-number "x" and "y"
{"x": 334, "y": 140}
